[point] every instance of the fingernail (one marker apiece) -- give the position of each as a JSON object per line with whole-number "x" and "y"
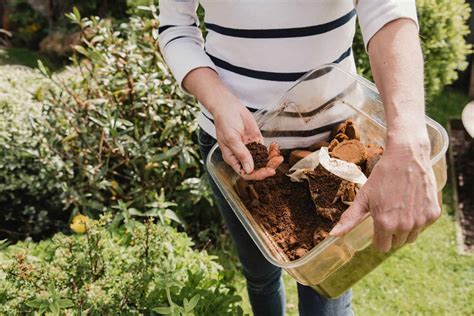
{"x": 335, "y": 230}
{"x": 247, "y": 167}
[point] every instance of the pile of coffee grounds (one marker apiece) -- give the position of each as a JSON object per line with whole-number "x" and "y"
{"x": 299, "y": 215}
{"x": 286, "y": 211}
{"x": 259, "y": 154}
{"x": 331, "y": 195}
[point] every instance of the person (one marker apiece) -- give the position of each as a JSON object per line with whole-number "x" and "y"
{"x": 255, "y": 50}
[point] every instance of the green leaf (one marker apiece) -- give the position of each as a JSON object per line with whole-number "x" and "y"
{"x": 77, "y": 14}
{"x": 166, "y": 155}
{"x": 172, "y": 215}
{"x": 65, "y": 303}
{"x": 35, "y": 303}
{"x": 42, "y": 68}
{"x": 192, "y": 303}
{"x": 81, "y": 50}
{"x": 163, "y": 310}
{"x": 54, "y": 308}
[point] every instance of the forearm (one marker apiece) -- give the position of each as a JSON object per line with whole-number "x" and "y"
{"x": 205, "y": 85}
{"x": 397, "y": 66}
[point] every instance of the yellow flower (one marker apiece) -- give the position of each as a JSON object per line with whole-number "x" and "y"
{"x": 114, "y": 184}
{"x": 79, "y": 223}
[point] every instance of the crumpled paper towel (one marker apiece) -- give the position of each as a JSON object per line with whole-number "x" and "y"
{"x": 343, "y": 169}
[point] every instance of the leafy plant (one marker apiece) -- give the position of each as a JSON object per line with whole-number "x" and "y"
{"x": 30, "y": 193}
{"x": 443, "y": 31}
{"x": 135, "y": 269}
{"x": 123, "y": 129}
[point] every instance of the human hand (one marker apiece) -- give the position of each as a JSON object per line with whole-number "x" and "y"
{"x": 400, "y": 194}
{"x": 274, "y": 160}
{"x": 235, "y": 127}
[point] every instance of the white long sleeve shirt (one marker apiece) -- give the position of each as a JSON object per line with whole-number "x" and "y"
{"x": 260, "y": 47}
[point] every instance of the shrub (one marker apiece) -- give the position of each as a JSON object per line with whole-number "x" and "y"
{"x": 30, "y": 203}
{"x": 124, "y": 130}
{"x": 133, "y": 270}
{"x": 443, "y": 28}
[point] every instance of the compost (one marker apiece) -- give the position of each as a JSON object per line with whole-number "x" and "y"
{"x": 300, "y": 215}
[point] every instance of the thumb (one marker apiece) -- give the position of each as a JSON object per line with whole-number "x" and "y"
{"x": 351, "y": 217}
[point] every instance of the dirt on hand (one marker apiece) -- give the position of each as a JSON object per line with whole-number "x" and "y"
{"x": 300, "y": 215}
{"x": 259, "y": 154}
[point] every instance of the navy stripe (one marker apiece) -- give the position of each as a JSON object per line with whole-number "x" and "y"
{"x": 283, "y": 33}
{"x": 161, "y": 29}
{"x": 265, "y": 75}
{"x": 305, "y": 133}
{"x": 173, "y": 39}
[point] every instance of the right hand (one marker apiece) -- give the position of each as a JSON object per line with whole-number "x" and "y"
{"x": 235, "y": 127}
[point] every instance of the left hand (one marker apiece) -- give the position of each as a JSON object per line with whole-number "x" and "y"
{"x": 400, "y": 194}
{"x": 274, "y": 161}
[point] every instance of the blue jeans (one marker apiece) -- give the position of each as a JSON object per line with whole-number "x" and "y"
{"x": 264, "y": 284}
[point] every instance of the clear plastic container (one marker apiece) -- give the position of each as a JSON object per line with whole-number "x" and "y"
{"x": 324, "y": 97}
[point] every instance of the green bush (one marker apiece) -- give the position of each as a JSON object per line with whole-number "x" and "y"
{"x": 443, "y": 28}
{"x": 133, "y": 270}
{"x": 30, "y": 203}
{"x": 124, "y": 130}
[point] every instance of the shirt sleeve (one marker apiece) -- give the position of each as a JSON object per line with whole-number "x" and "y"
{"x": 374, "y": 14}
{"x": 180, "y": 39}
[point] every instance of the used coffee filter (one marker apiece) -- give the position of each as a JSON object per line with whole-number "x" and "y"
{"x": 343, "y": 169}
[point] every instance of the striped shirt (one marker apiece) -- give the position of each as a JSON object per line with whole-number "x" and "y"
{"x": 260, "y": 47}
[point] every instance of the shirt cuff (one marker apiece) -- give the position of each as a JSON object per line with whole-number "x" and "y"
{"x": 373, "y": 17}
{"x": 183, "y": 56}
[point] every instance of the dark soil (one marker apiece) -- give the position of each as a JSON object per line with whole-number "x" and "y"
{"x": 259, "y": 154}
{"x": 299, "y": 215}
{"x": 463, "y": 154}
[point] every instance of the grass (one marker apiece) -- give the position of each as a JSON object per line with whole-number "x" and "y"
{"x": 22, "y": 56}
{"x": 425, "y": 278}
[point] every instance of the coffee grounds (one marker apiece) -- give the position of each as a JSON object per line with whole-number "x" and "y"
{"x": 328, "y": 192}
{"x": 350, "y": 150}
{"x": 287, "y": 212}
{"x": 299, "y": 215}
{"x": 259, "y": 154}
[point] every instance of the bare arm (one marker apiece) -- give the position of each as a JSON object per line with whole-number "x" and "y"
{"x": 401, "y": 191}
{"x": 235, "y": 125}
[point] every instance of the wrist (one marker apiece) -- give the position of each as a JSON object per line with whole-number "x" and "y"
{"x": 409, "y": 141}
{"x": 220, "y": 105}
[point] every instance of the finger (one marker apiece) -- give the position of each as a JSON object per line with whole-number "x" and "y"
{"x": 413, "y": 235}
{"x": 260, "y": 174}
{"x": 382, "y": 239}
{"x": 275, "y": 162}
{"x": 273, "y": 151}
{"x": 399, "y": 239}
{"x": 231, "y": 160}
{"x": 351, "y": 217}
{"x": 242, "y": 153}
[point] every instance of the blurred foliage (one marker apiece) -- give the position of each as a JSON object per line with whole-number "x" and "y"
{"x": 125, "y": 132}
{"x": 22, "y": 56}
{"x": 30, "y": 193}
{"x": 132, "y": 270}
{"x": 443, "y": 31}
{"x": 31, "y": 20}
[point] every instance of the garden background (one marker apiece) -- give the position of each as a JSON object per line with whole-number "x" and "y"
{"x": 103, "y": 205}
